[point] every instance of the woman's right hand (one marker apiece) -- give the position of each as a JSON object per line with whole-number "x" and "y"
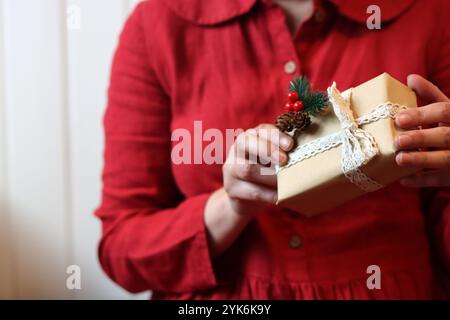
{"x": 249, "y": 184}
{"x": 248, "y": 173}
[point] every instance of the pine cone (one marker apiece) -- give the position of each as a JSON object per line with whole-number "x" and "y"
{"x": 293, "y": 120}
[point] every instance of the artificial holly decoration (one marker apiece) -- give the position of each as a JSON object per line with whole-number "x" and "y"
{"x": 314, "y": 102}
{"x": 302, "y": 103}
{"x": 293, "y": 96}
{"x": 298, "y": 106}
{"x": 289, "y": 106}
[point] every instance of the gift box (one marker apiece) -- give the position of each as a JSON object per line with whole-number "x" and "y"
{"x": 347, "y": 151}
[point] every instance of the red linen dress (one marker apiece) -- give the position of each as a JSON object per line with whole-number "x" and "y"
{"x": 228, "y": 63}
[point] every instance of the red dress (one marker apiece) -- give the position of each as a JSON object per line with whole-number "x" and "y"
{"x": 228, "y": 64}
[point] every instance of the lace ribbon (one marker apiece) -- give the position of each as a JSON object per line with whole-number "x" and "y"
{"x": 358, "y": 145}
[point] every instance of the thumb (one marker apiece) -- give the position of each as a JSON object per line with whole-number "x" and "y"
{"x": 426, "y": 90}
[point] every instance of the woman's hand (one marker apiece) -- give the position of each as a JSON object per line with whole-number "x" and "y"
{"x": 249, "y": 174}
{"x": 249, "y": 184}
{"x": 434, "y": 138}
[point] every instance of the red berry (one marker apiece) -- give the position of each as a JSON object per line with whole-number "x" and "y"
{"x": 298, "y": 106}
{"x": 289, "y": 106}
{"x": 293, "y": 96}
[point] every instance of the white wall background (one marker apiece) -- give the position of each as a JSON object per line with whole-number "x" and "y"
{"x": 53, "y": 82}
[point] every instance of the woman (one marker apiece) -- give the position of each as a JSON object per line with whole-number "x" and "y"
{"x": 206, "y": 231}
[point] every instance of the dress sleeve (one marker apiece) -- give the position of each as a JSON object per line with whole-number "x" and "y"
{"x": 152, "y": 238}
{"x": 438, "y": 205}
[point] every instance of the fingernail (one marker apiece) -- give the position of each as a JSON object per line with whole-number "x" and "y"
{"x": 399, "y": 158}
{"x": 403, "y": 141}
{"x": 277, "y": 157}
{"x": 404, "y": 120}
{"x": 406, "y": 159}
{"x": 286, "y": 142}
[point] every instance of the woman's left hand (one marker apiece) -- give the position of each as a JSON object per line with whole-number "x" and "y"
{"x": 435, "y": 138}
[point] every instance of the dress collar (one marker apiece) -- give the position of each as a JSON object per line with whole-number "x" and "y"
{"x": 357, "y": 9}
{"x": 212, "y": 12}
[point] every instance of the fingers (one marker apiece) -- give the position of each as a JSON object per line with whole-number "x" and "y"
{"x": 428, "y": 179}
{"x": 435, "y": 113}
{"x": 254, "y": 155}
{"x": 430, "y": 159}
{"x": 244, "y": 190}
{"x": 251, "y": 172}
{"x": 438, "y": 137}
{"x": 425, "y": 89}
{"x": 431, "y": 114}
{"x": 274, "y": 135}
{"x": 264, "y": 144}
{"x": 257, "y": 150}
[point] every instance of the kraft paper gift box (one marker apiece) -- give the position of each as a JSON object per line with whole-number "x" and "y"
{"x": 302, "y": 185}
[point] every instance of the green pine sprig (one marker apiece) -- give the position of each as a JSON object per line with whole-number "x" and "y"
{"x": 313, "y": 102}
